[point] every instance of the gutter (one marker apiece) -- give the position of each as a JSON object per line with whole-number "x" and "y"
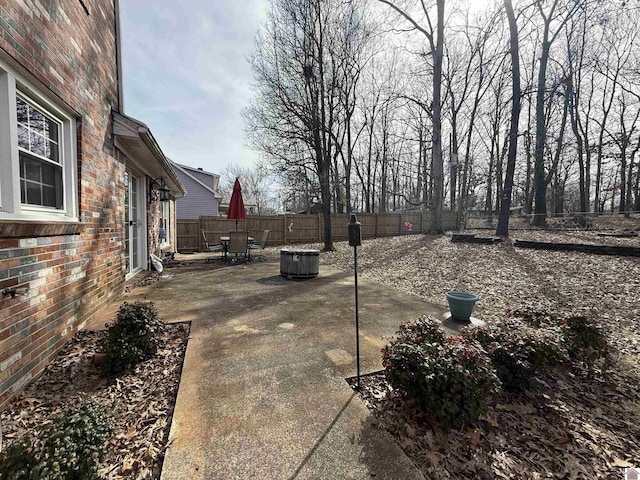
{"x": 150, "y": 142}
{"x": 136, "y": 129}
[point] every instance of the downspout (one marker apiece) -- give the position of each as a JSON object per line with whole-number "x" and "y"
{"x": 116, "y": 8}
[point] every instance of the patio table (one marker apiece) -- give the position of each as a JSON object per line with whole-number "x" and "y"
{"x": 224, "y": 240}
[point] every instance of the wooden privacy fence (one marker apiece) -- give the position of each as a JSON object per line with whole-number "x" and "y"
{"x": 288, "y": 229}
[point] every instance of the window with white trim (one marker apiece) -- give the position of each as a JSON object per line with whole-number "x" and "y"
{"x": 37, "y": 154}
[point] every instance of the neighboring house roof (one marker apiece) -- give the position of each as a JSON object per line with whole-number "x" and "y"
{"x": 135, "y": 137}
{"x": 195, "y": 173}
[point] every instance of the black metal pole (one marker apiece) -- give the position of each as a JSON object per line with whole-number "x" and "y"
{"x": 355, "y": 276}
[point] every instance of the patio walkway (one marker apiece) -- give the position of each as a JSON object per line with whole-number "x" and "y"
{"x": 262, "y": 393}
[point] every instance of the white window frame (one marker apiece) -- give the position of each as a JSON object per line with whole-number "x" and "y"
{"x": 13, "y": 85}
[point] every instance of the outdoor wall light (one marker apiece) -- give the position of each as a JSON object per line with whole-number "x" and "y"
{"x": 158, "y": 190}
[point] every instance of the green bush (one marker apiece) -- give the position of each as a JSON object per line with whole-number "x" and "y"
{"x": 133, "y": 337}
{"x": 585, "y": 341}
{"x": 424, "y": 330}
{"x": 519, "y": 352}
{"x": 18, "y": 462}
{"x": 448, "y": 378}
{"x": 72, "y": 449}
{"x": 75, "y": 443}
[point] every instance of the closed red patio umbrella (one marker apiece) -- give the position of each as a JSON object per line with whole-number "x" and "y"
{"x": 236, "y": 204}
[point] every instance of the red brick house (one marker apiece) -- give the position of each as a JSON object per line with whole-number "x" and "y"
{"x": 79, "y": 180}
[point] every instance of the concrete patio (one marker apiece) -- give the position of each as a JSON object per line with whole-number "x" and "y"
{"x": 263, "y": 392}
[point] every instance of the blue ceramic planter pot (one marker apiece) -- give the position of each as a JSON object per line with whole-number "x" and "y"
{"x": 461, "y": 305}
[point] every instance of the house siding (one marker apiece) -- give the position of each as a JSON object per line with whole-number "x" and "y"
{"x": 71, "y": 57}
{"x": 197, "y": 201}
{"x": 205, "y": 178}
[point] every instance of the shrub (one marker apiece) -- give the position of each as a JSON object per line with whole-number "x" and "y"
{"x": 18, "y": 462}
{"x": 424, "y": 330}
{"x": 519, "y": 352}
{"x": 75, "y": 443}
{"x": 133, "y": 337}
{"x": 585, "y": 341}
{"x": 449, "y": 378}
{"x": 73, "y": 446}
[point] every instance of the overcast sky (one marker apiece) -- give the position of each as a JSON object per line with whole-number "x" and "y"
{"x": 186, "y": 75}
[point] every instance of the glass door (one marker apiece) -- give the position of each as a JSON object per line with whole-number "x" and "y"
{"x": 132, "y": 223}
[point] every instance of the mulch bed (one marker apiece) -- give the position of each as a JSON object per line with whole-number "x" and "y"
{"x": 561, "y": 430}
{"x": 572, "y": 425}
{"x": 144, "y": 400}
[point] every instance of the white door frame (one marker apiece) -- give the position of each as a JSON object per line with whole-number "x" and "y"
{"x": 140, "y": 225}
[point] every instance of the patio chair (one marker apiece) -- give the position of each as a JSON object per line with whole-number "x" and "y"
{"x": 210, "y": 248}
{"x": 263, "y": 241}
{"x": 238, "y": 243}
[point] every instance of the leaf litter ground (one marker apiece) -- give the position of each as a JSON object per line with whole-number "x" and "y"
{"x": 574, "y": 425}
{"x": 144, "y": 399}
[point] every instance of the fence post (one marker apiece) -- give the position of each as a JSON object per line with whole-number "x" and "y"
{"x": 285, "y": 227}
{"x": 200, "y": 228}
{"x": 320, "y": 225}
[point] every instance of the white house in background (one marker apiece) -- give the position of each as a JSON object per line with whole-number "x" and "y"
{"x": 250, "y": 207}
{"x": 202, "y": 197}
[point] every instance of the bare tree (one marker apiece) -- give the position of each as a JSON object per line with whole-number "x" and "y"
{"x": 299, "y": 66}
{"x": 505, "y": 205}
{"x": 435, "y": 39}
{"x": 557, "y": 14}
{"x": 256, "y": 184}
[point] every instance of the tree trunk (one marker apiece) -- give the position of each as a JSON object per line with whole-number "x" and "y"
{"x": 627, "y": 202}
{"x": 437, "y": 172}
{"x": 540, "y": 218}
{"x": 488, "y": 204}
{"x": 636, "y": 206}
{"x": 499, "y": 175}
{"x": 347, "y": 167}
{"x": 528, "y": 189}
{"x": 599, "y": 205}
{"x": 505, "y": 204}
{"x": 623, "y": 175}
{"x": 573, "y": 108}
{"x": 453, "y": 158}
{"x": 467, "y": 154}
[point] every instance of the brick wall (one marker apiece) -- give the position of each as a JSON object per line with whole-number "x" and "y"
{"x": 154, "y": 219}
{"x": 70, "y": 272}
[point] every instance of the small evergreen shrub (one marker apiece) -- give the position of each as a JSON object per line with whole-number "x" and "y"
{"x": 74, "y": 443}
{"x": 448, "y": 378}
{"x": 72, "y": 449}
{"x": 133, "y": 337}
{"x": 18, "y": 462}
{"x": 585, "y": 341}
{"x": 424, "y": 330}
{"x": 519, "y": 352}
